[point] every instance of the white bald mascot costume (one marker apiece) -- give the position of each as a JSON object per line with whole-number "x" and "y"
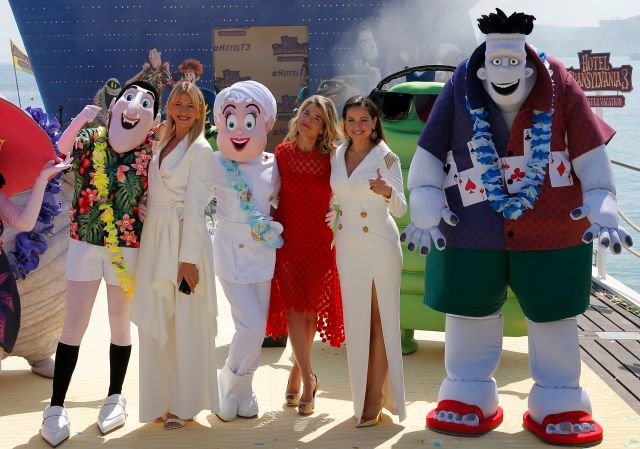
{"x": 246, "y": 181}
{"x": 110, "y": 165}
{"x": 509, "y": 163}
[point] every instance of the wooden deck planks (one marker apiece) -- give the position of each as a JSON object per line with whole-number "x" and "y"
{"x": 616, "y": 361}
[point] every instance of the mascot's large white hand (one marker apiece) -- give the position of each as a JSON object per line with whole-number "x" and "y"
{"x": 599, "y": 202}
{"x": 601, "y": 208}
{"x": 68, "y": 137}
{"x": 427, "y": 204}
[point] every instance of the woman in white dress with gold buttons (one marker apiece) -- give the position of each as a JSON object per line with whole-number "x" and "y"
{"x": 367, "y": 183}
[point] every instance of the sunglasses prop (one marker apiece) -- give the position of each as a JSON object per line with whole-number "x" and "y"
{"x": 396, "y": 105}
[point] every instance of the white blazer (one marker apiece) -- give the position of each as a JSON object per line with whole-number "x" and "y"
{"x": 238, "y": 257}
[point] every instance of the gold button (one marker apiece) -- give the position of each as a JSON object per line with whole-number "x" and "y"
{"x": 266, "y": 157}
{"x": 270, "y": 198}
{"x": 339, "y": 225}
{"x": 241, "y": 245}
{"x": 365, "y": 229}
{"x": 363, "y": 214}
{"x": 340, "y": 213}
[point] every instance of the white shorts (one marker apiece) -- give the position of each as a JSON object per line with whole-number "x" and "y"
{"x": 87, "y": 262}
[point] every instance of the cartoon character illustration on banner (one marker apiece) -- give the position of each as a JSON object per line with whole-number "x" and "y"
{"x": 246, "y": 182}
{"x": 110, "y": 165}
{"x": 103, "y": 99}
{"x": 155, "y": 72}
{"x": 527, "y": 164}
{"x": 188, "y": 70}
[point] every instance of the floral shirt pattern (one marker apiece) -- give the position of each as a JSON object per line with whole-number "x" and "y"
{"x": 127, "y": 175}
{"x": 159, "y": 79}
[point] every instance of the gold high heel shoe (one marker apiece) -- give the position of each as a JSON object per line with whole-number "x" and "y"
{"x": 292, "y": 399}
{"x": 307, "y": 408}
{"x": 370, "y": 423}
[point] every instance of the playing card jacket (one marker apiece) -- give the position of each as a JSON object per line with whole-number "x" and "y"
{"x": 575, "y": 128}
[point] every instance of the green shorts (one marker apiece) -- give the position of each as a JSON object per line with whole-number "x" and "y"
{"x": 550, "y": 285}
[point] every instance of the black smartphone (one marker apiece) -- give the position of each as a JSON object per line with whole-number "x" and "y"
{"x": 184, "y": 287}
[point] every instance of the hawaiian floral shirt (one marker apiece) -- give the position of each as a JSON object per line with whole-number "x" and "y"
{"x": 159, "y": 79}
{"x": 127, "y": 175}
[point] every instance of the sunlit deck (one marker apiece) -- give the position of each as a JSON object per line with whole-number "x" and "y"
{"x": 24, "y": 395}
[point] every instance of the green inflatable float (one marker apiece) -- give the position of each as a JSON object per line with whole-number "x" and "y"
{"x": 405, "y": 108}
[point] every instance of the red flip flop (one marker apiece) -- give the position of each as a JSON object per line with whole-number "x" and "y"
{"x": 582, "y": 439}
{"x": 486, "y": 424}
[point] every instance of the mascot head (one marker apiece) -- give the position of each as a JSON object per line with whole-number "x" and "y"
{"x": 132, "y": 115}
{"x": 244, "y": 114}
{"x": 505, "y": 74}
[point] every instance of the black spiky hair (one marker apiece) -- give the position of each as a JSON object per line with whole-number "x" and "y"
{"x": 518, "y": 22}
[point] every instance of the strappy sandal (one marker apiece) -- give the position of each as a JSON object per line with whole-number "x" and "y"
{"x": 179, "y": 421}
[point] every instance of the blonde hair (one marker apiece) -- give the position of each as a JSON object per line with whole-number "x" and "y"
{"x": 329, "y": 116}
{"x": 195, "y": 94}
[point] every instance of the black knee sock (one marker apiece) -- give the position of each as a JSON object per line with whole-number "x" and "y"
{"x": 119, "y": 360}
{"x": 66, "y": 359}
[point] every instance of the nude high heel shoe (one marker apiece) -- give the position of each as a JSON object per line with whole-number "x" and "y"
{"x": 307, "y": 408}
{"x": 370, "y": 423}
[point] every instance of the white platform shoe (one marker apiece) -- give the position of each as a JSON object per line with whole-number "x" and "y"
{"x": 113, "y": 413}
{"x": 56, "y": 427}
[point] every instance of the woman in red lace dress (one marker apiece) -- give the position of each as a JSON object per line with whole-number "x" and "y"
{"x": 305, "y": 290}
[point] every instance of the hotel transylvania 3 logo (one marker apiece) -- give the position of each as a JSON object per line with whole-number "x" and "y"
{"x": 289, "y": 45}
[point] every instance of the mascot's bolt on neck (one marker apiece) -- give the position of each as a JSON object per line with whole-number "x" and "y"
{"x": 244, "y": 114}
{"x": 132, "y": 115}
{"x": 505, "y": 75}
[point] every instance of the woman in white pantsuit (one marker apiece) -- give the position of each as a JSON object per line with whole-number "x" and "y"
{"x": 367, "y": 183}
{"x": 177, "y": 329}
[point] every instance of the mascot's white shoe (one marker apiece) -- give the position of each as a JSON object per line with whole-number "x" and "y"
{"x": 55, "y": 425}
{"x": 248, "y": 402}
{"x": 113, "y": 413}
{"x": 228, "y": 382}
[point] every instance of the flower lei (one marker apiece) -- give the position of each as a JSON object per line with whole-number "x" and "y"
{"x": 29, "y": 246}
{"x": 260, "y": 227}
{"x": 101, "y": 181}
{"x": 514, "y": 206}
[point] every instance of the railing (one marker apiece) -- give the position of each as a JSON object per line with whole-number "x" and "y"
{"x": 601, "y": 255}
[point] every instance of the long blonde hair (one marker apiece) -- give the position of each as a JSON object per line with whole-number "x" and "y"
{"x": 195, "y": 94}
{"x": 331, "y": 131}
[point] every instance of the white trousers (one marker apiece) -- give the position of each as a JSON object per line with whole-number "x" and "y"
{"x": 180, "y": 377}
{"x": 249, "y": 309}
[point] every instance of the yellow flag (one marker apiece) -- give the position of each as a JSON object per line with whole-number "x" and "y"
{"x": 20, "y": 59}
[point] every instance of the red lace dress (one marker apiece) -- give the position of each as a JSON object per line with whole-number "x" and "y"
{"x": 306, "y": 277}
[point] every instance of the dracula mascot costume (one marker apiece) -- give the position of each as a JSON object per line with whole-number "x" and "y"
{"x": 110, "y": 165}
{"x": 246, "y": 181}
{"x": 511, "y": 174}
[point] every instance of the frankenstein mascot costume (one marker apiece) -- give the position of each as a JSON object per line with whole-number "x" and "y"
{"x": 246, "y": 181}
{"x": 110, "y": 165}
{"x": 511, "y": 174}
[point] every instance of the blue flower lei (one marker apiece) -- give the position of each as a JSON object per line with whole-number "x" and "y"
{"x": 29, "y": 246}
{"x": 513, "y": 207}
{"x": 261, "y": 229}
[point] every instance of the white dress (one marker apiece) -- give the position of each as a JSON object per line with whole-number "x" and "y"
{"x": 368, "y": 251}
{"x": 177, "y": 331}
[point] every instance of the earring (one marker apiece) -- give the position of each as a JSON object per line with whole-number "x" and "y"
{"x": 374, "y": 134}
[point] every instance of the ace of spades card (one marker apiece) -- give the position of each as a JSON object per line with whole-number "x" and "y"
{"x": 471, "y": 188}
{"x": 560, "y": 169}
{"x": 450, "y": 171}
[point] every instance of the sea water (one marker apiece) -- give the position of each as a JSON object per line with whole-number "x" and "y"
{"x": 624, "y": 148}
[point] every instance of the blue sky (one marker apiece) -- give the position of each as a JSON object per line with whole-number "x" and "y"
{"x": 548, "y": 12}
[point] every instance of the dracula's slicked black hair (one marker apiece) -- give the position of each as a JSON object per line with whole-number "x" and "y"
{"x": 518, "y": 22}
{"x": 145, "y": 86}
